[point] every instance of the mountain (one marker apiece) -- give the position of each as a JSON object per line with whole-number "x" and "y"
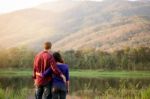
{"x": 108, "y": 25}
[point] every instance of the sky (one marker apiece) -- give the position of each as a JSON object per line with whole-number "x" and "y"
{"x": 12, "y": 5}
{"x": 7, "y": 6}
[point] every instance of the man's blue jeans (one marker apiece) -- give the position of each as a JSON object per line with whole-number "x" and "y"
{"x": 43, "y": 91}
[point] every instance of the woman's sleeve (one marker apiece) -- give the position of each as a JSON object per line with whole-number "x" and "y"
{"x": 47, "y": 72}
{"x": 67, "y": 74}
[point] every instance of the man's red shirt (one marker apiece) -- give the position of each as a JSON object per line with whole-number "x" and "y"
{"x": 42, "y": 62}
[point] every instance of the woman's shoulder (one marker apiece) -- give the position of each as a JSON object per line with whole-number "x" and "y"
{"x": 64, "y": 65}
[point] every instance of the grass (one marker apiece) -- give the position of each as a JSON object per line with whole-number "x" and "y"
{"x": 115, "y": 74}
{"x": 85, "y": 73}
{"x": 10, "y": 93}
{"x": 17, "y": 73}
{"x": 110, "y": 93}
{"x": 145, "y": 94}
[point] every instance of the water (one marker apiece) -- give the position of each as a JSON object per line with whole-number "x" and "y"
{"x": 83, "y": 87}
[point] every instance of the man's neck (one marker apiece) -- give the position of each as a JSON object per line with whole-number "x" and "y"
{"x": 46, "y": 50}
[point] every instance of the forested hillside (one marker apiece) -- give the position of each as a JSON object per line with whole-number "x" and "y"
{"x": 108, "y": 25}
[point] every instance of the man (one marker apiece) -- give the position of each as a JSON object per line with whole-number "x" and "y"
{"x": 42, "y": 62}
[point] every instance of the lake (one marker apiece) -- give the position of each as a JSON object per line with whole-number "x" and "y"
{"x": 86, "y": 88}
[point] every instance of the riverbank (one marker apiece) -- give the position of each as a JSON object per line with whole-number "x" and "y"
{"x": 85, "y": 73}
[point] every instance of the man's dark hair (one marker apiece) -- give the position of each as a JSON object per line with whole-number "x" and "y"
{"x": 57, "y": 57}
{"x": 47, "y": 45}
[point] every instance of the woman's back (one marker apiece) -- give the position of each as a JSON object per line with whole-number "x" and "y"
{"x": 57, "y": 81}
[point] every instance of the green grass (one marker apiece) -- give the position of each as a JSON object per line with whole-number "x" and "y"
{"x": 85, "y": 73}
{"x": 116, "y": 74}
{"x": 10, "y": 93}
{"x": 110, "y": 93}
{"x": 145, "y": 94}
{"x": 17, "y": 73}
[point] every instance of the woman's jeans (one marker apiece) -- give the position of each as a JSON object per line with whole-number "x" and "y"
{"x": 58, "y": 94}
{"x": 43, "y": 91}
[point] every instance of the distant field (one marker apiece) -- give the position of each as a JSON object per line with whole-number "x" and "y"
{"x": 85, "y": 73}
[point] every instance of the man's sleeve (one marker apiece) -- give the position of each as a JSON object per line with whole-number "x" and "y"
{"x": 34, "y": 69}
{"x": 54, "y": 68}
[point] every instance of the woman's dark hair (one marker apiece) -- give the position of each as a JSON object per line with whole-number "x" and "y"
{"x": 58, "y": 57}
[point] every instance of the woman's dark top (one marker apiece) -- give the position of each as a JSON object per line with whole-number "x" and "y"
{"x": 58, "y": 81}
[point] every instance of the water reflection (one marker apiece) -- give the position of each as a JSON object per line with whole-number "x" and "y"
{"x": 16, "y": 82}
{"x": 103, "y": 84}
{"x": 81, "y": 86}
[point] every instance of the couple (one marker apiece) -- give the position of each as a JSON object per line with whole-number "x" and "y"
{"x": 51, "y": 75}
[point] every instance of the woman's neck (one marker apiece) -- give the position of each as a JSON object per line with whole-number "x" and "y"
{"x": 59, "y": 63}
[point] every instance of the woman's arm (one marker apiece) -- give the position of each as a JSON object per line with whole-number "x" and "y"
{"x": 67, "y": 84}
{"x": 67, "y": 79}
{"x": 45, "y": 73}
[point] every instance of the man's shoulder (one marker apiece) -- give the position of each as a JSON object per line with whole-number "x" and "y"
{"x": 38, "y": 54}
{"x": 50, "y": 53}
{"x": 46, "y": 54}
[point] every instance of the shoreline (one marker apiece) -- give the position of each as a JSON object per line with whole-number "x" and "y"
{"x": 83, "y": 73}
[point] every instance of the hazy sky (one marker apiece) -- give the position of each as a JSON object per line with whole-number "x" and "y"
{"x": 12, "y": 5}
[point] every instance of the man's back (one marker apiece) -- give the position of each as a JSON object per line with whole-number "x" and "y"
{"x": 41, "y": 63}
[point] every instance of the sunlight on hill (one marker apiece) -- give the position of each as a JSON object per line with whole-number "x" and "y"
{"x": 106, "y": 25}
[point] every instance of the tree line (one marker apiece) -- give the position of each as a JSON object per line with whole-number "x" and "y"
{"x": 125, "y": 59}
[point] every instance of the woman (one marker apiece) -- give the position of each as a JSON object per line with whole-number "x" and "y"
{"x": 59, "y": 88}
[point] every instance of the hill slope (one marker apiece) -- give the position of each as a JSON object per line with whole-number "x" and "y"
{"x": 107, "y": 25}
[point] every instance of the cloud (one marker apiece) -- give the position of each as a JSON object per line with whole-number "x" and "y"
{"x": 132, "y": 0}
{"x": 11, "y": 5}
{"x": 89, "y": 0}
